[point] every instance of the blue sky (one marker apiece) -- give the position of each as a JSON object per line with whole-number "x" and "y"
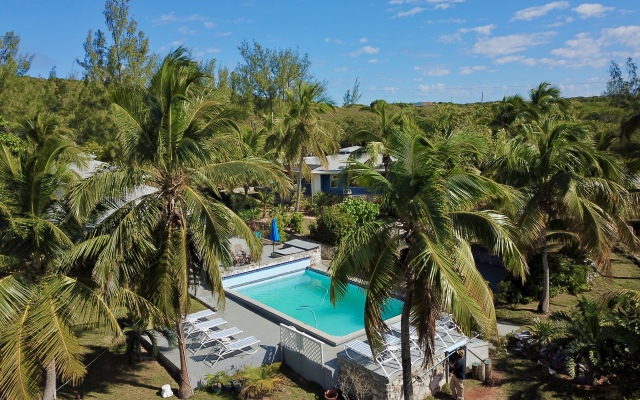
{"x": 400, "y": 50}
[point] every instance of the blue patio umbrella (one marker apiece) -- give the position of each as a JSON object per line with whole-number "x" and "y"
{"x": 275, "y": 235}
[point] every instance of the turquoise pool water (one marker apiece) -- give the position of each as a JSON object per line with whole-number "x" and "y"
{"x": 305, "y": 297}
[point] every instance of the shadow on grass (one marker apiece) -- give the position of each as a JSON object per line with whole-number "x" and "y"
{"x": 108, "y": 370}
{"x": 526, "y": 380}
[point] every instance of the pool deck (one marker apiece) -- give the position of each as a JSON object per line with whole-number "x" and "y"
{"x": 252, "y": 324}
{"x": 263, "y": 328}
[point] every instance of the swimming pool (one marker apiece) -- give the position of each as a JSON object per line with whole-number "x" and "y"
{"x": 304, "y": 296}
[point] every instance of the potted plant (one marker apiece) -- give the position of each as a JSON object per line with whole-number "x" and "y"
{"x": 331, "y": 394}
{"x": 215, "y": 382}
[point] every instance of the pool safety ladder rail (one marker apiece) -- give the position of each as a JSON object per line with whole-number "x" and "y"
{"x": 307, "y": 308}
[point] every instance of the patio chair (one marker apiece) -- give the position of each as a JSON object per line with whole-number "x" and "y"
{"x": 384, "y": 356}
{"x": 204, "y": 327}
{"x": 218, "y": 336}
{"x": 243, "y": 345}
{"x": 192, "y": 319}
{"x": 413, "y": 335}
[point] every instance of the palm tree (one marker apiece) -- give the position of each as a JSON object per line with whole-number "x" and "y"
{"x": 305, "y": 132}
{"x": 179, "y": 144}
{"x": 574, "y": 193}
{"x": 508, "y": 111}
{"x": 40, "y": 303}
{"x": 374, "y": 141}
{"x": 422, "y": 250}
{"x": 546, "y": 99}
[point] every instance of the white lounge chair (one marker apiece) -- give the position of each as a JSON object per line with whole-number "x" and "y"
{"x": 383, "y": 356}
{"x": 204, "y": 327}
{"x": 218, "y": 336}
{"x": 192, "y": 319}
{"x": 243, "y": 345}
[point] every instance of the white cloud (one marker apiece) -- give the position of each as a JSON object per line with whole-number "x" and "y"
{"x": 436, "y": 71}
{"x": 438, "y": 87}
{"x": 507, "y": 59}
{"x": 390, "y": 89}
{"x": 588, "y": 10}
{"x": 373, "y": 61}
{"x": 627, "y": 35}
{"x": 579, "y": 52}
{"x": 470, "y": 70}
{"x": 483, "y": 30}
{"x": 530, "y": 13}
{"x": 443, "y": 4}
{"x": 209, "y": 25}
{"x": 410, "y": 13}
{"x": 335, "y": 41}
{"x": 341, "y": 69}
{"x": 363, "y": 40}
{"x": 456, "y": 37}
{"x": 183, "y": 30}
{"x": 510, "y": 44}
{"x": 223, "y": 34}
{"x": 172, "y": 17}
{"x": 213, "y": 50}
{"x": 365, "y": 50}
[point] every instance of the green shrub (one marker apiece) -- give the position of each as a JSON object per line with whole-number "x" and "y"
{"x": 563, "y": 277}
{"x": 295, "y": 222}
{"x": 322, "y": 200}
{"x": 332, "y": 225}
{"x": 360, "y": 209}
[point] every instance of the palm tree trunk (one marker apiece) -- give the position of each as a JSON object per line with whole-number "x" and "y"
{"x": 405, "y": 342}
{"x": 299, "y": 183}
{"x": 185, "y": 391}
{"x": 546, "y": 286}
{"x": 50, "y": 381}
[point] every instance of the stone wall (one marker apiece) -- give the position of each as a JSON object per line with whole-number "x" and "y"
{"x": 315, "y": 259}
{"x": 425, "y": 382}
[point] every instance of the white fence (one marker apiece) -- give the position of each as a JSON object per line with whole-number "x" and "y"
{"x": 303, "y": 354}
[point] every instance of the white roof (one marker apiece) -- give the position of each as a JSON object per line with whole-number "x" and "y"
{"x": 336, "y": 162}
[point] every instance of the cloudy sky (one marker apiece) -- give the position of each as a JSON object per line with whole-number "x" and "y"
{"x": 399, "y": 50}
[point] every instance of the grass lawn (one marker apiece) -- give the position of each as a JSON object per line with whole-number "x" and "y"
{"x": 110, "y": 377}
{"x": 625, "y": 275}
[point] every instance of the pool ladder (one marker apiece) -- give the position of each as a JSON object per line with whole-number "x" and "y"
{"x": 305, "y": 307}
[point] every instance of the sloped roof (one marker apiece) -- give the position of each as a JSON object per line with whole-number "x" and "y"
{"x": 337, "y": 162}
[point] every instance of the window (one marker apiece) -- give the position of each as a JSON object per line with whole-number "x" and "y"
{"x": 335, "y": 180}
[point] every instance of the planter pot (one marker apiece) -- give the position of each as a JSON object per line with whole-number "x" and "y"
{"x": 217, "y": 389}
{"x": 237, "y": 386}
{"x": 331, "y": 394}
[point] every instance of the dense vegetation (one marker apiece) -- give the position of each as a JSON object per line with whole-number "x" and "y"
{"x": 548, "y": 183}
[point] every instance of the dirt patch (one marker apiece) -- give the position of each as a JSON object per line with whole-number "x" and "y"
{"x": 488, "y": 390}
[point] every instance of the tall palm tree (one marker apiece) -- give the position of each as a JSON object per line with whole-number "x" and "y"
{"x": 574, "y": 193}
{"x": 179, "y": 145}
{"x": 306, "y": 133}
{"x": 40, "y": 303}
{"x": 422, "y": 250}
{"x": 374, "y": 141}
{"x": 546, "y": 99}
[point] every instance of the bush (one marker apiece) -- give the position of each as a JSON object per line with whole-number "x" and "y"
{"x": 295, "y": 222}
{"x": 332, "y": 225}
{"x": 322, "y": 200}
{"x": 360, "y": 209}
{"x": 564, "y": 277}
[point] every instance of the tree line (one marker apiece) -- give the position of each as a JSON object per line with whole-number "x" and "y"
{"x": 520, "y": 176}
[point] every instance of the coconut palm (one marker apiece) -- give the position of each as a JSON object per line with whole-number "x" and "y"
{"x": 422, "y": 250}
{"x": 546, "y": 99}
{"x": 374, "y": 141}
{"x": 306, "y": 133}
{"x": 574, "y": 193}
{"x": 40, "y": 303}
{"x": 179, "y": 145}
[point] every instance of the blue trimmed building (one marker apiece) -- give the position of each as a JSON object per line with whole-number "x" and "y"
{"x": 329, "y": 180}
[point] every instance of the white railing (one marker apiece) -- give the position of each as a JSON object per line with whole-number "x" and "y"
{"x": 299, "y": 342}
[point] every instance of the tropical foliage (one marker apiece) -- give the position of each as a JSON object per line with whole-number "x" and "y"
{"x": 422, "y": 250}
{"x": 155, "y": 224}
